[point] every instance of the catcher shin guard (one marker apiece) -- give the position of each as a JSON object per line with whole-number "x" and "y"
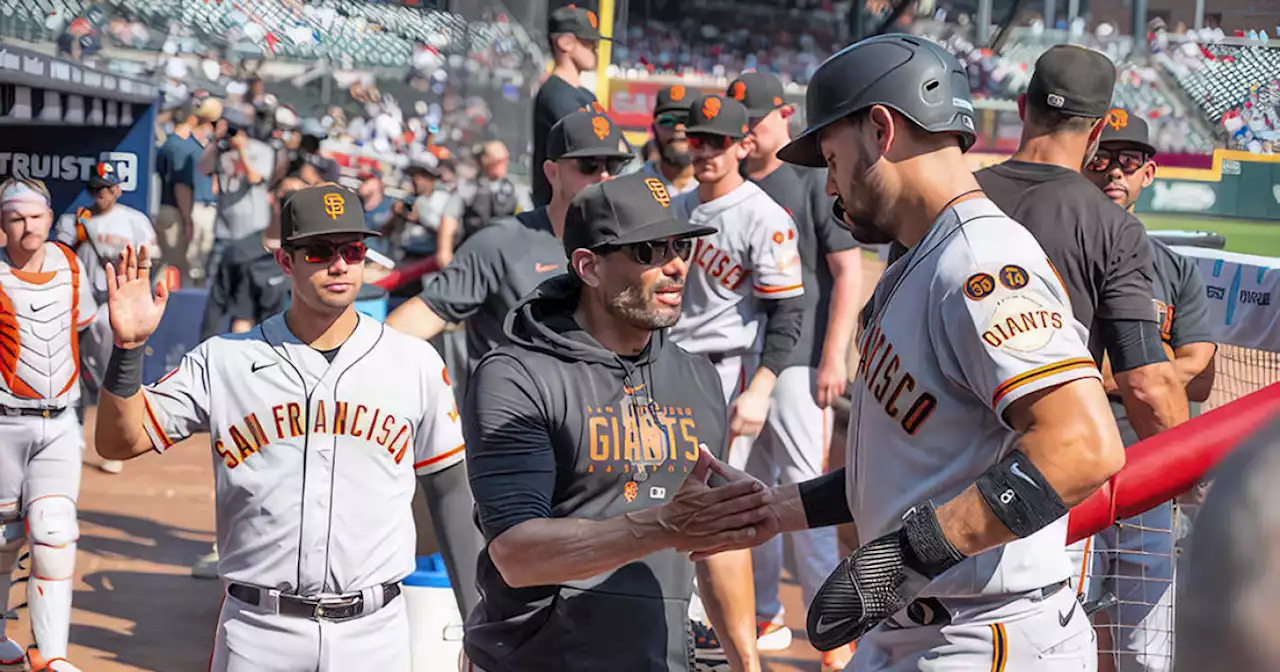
{"x": 879, "y": 579}
{"x": 51, "y": 522}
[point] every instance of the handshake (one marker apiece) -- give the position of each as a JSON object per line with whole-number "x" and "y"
{"x": 703, "y": 520}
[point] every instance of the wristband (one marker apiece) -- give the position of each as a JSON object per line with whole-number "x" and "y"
{"x": 925, "y": 547}
{"x": 1020, "y": 496}
{"x": 124, "y": 372}
{"x": 824, "y": 500}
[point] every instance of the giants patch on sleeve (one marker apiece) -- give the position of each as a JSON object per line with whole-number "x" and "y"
{"x": 1022, "y": 322}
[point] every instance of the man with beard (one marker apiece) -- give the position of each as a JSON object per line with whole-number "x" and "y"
{"x": 670, "y": 121}
{"x": 794, "y": 444}
{"x": 590, "y": 448}
{"x": 978, "y": 418}
{"x": 575, "y": 43}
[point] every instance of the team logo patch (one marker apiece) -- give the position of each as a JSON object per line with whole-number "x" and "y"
{"x": 711, "y": 108}
{"x": 778, "y": 238}
{"x": 659, "y": 191}
{"x": 600, "y": 125}
{"x": 979, "y": 285}
{"x": 334, "y": 205}
{"x": 593, "y": 19}
{"x": 630, "y": 490}
{"x": 1022, "y": 323}
{"x": 738, "y": 91}
{"x": 1054, "y": 100}
{"x": 744, "y": 128}
{"x": 1013, "y": 277}
{"x": 105, "y": 170}
{"x": 677, "y": 93}
{"x": 1118, "y": 119}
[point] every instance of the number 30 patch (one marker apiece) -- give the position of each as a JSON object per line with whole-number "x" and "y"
{"x": 979, "y": 286}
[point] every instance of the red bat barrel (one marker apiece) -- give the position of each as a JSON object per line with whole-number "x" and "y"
{"x": 1166, "y": 465}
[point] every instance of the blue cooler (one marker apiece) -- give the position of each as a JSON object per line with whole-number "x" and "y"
{"x": 435, "y": 626}
{"x": 372, "y": 301}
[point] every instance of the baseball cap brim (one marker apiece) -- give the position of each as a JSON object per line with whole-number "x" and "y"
{"x": 367, "y": 233}
{"x": 671, "y": 228}
{"x": 1144, "y": 146}
{"x": 593, "y": 153}
{"x": 707, "y": 129}
{"x": 804, "y": 150}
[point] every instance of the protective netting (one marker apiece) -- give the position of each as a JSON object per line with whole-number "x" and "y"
{"x": 1130, "y": 570}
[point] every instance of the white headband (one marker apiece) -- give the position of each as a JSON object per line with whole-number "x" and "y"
{"x": 19, "y": 193}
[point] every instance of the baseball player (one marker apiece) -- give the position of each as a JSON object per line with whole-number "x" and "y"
{"x": 99, "y": 234}
{"x": 741, "y": 304}
{"x": 591, "y": 438}
{"x": 798, "y": 432}
{"x": 674, "y": 166}
{"x": 45, "y": 301}
{"x": 1134, "y": 560}
{"x": 319, "y": 418}
{"x": 978, "y": 417}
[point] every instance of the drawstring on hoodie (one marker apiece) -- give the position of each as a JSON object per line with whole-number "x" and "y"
{"x": 630, "y": 388}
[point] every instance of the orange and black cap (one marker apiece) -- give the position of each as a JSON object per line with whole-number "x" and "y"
{"x": 322, "y": 210}
{"x": 717, "y": 115}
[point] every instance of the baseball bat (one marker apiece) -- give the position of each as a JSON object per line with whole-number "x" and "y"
{"x": 1168, "y": 464}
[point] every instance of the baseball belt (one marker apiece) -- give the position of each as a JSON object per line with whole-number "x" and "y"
{"x": 337, "y": 609}
{"x": 32, "y": 412}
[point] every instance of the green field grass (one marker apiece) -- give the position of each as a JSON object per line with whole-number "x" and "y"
{"x": 1244, "y": 236}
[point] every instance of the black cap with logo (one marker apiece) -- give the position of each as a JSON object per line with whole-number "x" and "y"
{"x": 575, "y": 21}
{"x": 629, "y": 209}
{"x": 1125, "y": 127}
{"x": 760, "y": 92}
{"x": 717, "y": 115}
{"x": 322, "y": 210}
{"x": 674, "y": 98}
{"x": 103, "y": 175}
{"x": 1074, "y": 80}
{"x": 584, "y": 134}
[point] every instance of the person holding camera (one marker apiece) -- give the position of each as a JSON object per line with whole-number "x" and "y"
{"x": 242, "y": 166}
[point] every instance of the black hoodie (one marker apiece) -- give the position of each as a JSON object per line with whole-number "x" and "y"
{"x": 556, "y": 426}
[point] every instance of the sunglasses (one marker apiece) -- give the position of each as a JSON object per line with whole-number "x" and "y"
{"x": 1129, "y": 160}
{"x": 352, "y": 252}
{"x": 671, "y": 119}
{"x": 653, "y": 252}
{"x": 595, "y": 165}
{"x": 700, "y": 140}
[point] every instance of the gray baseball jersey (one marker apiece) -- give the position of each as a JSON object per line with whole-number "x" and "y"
{"x": 314, "y": 462}
{"x": 970, "y": 320}
{"x": 109, "y": 233}
{"x": 752, "y": 256}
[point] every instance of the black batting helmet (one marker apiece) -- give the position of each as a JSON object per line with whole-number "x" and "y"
{"x": 911, "y": 75}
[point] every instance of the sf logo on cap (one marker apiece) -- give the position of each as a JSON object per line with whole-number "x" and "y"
{"x": 659, "y": 191}
{"x": 739, "y": 91}
{"x": 711, "y": 107}
{"x": 677, "y": 93}
{"x": 600, "y": 125}
{"x": 334, "y": 205}
{"x": 1118, "y": 119}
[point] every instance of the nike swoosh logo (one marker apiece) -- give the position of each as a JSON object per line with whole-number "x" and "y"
{"x": 1064, "y": 619}
{"x": 256, "y": 367}
{"x": 545, "y": 268}
{"x": 824, "y": 626}
{"x": 1016, "y": 470}
{"x": 36, "y": 309}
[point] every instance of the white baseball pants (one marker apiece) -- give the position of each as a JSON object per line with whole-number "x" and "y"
{"x": 253, "y": 639}
{"x": 1024, "y": 633}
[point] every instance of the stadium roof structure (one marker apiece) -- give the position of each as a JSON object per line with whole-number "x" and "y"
{"x": 38, "y": 89}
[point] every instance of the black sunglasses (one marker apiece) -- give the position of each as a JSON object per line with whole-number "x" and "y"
{"x": 594, "y": 165}
{"x": 671, "y": 119}
{"x": 352, "y": 252}
{"x": 653, "y": 252}
{"x": 700, "y": 140}
{"x": 1129, "y": 160}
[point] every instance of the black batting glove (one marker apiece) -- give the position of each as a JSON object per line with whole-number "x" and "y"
{"x": 880, "y": 579}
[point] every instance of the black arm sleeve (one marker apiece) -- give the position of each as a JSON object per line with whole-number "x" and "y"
{"x": 782, "y": 331}
{"x": 462, "y": 287}
{"x": 511, "y": 464}
{"x": 824, "y": 500}
{"x": 449, "y": 498}
{"x": 1132, "y": 343}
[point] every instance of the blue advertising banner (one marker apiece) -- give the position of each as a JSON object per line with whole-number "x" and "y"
{"x": 62, "y": 157}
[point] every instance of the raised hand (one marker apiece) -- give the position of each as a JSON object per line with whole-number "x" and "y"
{"x": 701, "y": 517}
{"x": 134, "y": 313}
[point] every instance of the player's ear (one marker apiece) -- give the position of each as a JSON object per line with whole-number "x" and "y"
{"x": 1149, "y": 173}
{"x": 883, "y": 121}
{"x": 551, "y": 171}
{"x": 285, "y": 259}
{"x": 587, "y": 265}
